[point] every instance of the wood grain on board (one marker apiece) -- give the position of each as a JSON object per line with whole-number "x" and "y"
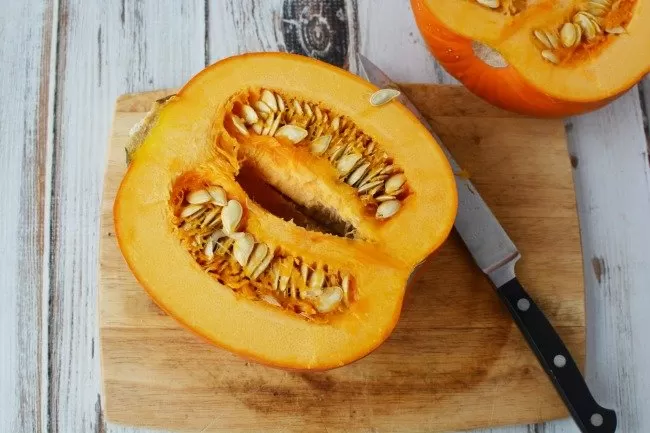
{"x": 455, "y": 361}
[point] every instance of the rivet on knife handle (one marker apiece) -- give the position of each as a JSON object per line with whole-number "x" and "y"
{"x": 556, "y": 360}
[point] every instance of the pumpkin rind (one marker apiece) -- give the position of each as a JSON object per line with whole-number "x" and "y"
{"x": 190, "y": 134}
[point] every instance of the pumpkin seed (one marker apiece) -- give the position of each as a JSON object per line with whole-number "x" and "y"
{"x": 383, "y": 96}
{"x": 250, "y": 115}
{"x": 263, "y": 110}
{"x": 280, "y": 102}
{"x": 616, "y": 30}
{"x": 492, "y": 4}
{"x": 394, "y": 183}
{"x": 218, "y": 195}
{"x": 268, "y": 124}
{"x": 345, "y": 286}
{"x": 543, "y": 37}
{"x": 264, "y": 265}
{"x": 357, "y": 174}
{"x": 319, "y": 146}
{"x": 209, "y": 249}
{"x": 237, "y": 235}
{"x": 270, "y": 300}
{"x": 329, "y": 299}
{"x": 317, "y": 279}
{"x": 190, "y": 210}
{"x": 285, "y": 273}
{"x": 210, "y": 216}
{"x": 298, "y": 108}
{"x": 274, "y": 126}
{"x": 587, "y": 22}
{"x": 311, "y": 293}
{"x": 597, "y": 9}
{"x": 370, "y": 185}
{"x": 372, "y": 191}
{"x": 212, "y": 224}
{"x": 570, "y": 34}
{"x": 347, "y": 163}
{"x": 308, "y": 111}
{"x": 212, "y": 242}
{"x": 276, "y": 279}
{"x": 553, "y": 38}
{"x": 256, "y": 258}
{"x": 269, "y": 99}
{"x": 292, "y": 133}
{"x": 318, "y": 131}
{"x": 199, "y": 196}
{"x": 336, "y": 122}
{"x": 231, "y": 216}
{"x": 387, "y": 209}
{"x": 550, "y": 56}
{"x": 337, "y": 152}
{"x": 257, "y": 127}
{"x": 385, "y": 197}
{"x": 239, "y": 125}
{"x": 243, "y": 248}
{"x": 371, "y": 174}
{"x": 293, "y": 290}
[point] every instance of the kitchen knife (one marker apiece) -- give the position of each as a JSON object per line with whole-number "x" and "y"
{"x": 496, "y": 255}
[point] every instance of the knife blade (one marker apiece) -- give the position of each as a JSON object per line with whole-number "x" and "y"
{"x": 496, "y": 254}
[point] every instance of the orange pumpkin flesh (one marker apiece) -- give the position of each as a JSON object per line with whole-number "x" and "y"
{"x": 497, "y": 55}
{"x": 191, "y": 142}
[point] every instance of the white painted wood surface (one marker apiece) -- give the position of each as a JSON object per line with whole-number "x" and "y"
{"x": 65, "y": 62}
{"x": 24, "y": 92}
{"x": 110, "y": 48}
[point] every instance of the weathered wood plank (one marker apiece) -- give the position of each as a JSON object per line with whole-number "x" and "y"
{"x": 327, "y": 30}
{"x": 608, "y": 150}
{"x": 105, "y": 50}
{"x": 25, "y": 45}
{"x": 612, "y": 179}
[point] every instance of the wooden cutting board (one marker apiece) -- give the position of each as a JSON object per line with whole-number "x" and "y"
{"x": 455, "y": 361}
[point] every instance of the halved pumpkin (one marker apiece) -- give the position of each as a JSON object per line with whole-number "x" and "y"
{"x": 540, "y": 57}
{"x": 222, "y": 173}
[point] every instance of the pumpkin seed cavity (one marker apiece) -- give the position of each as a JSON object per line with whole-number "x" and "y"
{"x": 357, "y": 160}
{"x": 212, "y": 227}
{"x": 590, "y": 25}
{"x": 314, "y": 217}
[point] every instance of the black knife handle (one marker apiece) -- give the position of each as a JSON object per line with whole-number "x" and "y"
{"x": 556, "y": 360}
